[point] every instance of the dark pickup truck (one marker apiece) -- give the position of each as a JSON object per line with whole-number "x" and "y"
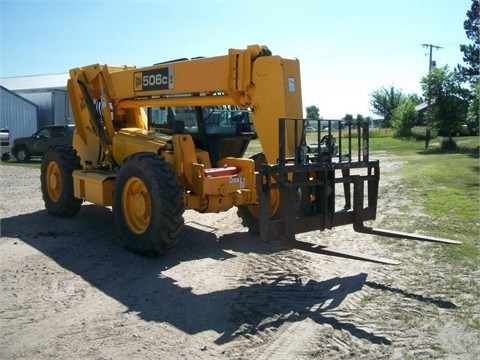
{"x": 36, "y": 145}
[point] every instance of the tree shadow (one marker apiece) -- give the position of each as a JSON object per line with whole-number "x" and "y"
{"x": 469, "y": 151}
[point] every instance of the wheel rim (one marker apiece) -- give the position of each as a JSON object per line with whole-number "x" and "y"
{"x": 53, "y": 181}
{"x": 21, "y": 155}
{"x": 136, "y": 206}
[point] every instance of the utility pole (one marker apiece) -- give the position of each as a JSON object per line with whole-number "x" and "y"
{"x": 430, "y": 65}
{"x": 430, "y": 46}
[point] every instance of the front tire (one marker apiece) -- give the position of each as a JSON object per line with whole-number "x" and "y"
{"x": 250, "y": 214}
{"x": 22, "y": 154}
{"x": 148, "y": 204}
{"x": 57, "y": 181}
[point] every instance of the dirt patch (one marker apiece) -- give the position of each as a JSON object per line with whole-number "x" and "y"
{"x": 70, "y": 290}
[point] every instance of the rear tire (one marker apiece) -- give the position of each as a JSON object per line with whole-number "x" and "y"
{"x": 148, "y": 204}
{"x": 56, "y": 181}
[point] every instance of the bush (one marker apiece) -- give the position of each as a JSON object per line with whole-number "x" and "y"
{"x": 418, "y": 133}
{"x": 404, "y": 117}
{"x": 403, "y": 133}
{"x": 448, "y": 144}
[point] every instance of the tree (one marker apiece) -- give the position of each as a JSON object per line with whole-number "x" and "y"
{"x": 384, "y": 101}
{"x": 416, "y": 99}
{"x": 471, "y": 56}
{"x": 471, "y": 52}
{"x": 448, "y": 106}
{"x": 404, "y": 117}
{"x": 313, "y": 112}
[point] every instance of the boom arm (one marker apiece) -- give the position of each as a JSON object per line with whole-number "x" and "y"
{"x": 252, "y": 78}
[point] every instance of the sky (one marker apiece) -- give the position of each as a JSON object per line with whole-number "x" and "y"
{"x": 347, "y": 49}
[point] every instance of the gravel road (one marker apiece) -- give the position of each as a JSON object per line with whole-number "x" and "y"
{"x": 69, "y": 290}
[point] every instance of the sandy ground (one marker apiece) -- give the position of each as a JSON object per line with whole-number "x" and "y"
{"x": 70, "y": 291}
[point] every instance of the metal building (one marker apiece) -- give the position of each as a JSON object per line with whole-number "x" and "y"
{"x": 48, "y": 92}
{"x": 17, "y": 114}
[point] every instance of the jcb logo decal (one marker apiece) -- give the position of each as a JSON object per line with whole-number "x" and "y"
{"x": 159, "y": 79}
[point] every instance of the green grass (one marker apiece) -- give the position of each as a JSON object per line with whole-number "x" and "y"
{"x": 446, "y": 185}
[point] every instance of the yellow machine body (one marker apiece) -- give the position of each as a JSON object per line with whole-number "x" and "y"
{"x": 268, "y": 86}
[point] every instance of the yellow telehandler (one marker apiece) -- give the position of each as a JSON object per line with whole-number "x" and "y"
{"x": 154, "y": 141}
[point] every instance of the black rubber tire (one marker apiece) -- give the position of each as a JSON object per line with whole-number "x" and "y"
{"x": 56, "y": 181}
{"x": 146, "y": 183}
{"x": 22, "y": 154}
{"x": 249, "y": 220}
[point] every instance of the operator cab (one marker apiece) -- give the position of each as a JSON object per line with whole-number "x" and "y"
{"x": 222, "y": 131}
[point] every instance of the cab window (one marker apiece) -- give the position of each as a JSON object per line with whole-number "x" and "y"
{"x": 43, "y": 133}
{"x": 222, "y": 119}
{"x": 182, "y": 118}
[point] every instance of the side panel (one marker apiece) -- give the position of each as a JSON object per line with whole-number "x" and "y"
{"x": 93, "y": 186}
{"x": 130, "y": 141}
{"x": 277, "y": 95}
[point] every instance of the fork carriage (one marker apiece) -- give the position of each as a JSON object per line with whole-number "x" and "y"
{"x": 307, "y": 186}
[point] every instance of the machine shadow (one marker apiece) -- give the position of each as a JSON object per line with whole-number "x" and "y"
{"x": 140, "y": 285}
{"x": 444, "y": 304}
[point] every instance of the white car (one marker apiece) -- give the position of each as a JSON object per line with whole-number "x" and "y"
{"x": 5, "y": 147}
